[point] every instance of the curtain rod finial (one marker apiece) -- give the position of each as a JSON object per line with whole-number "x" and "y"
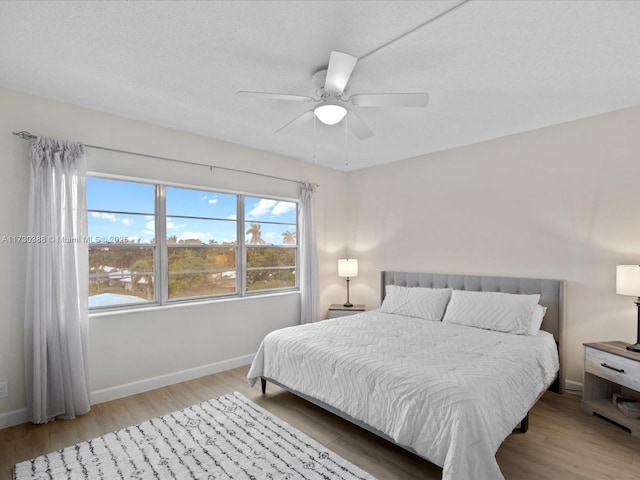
{"x": 24, "y": 135}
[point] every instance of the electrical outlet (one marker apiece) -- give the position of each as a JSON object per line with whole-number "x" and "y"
{"x": 4, "y": 389}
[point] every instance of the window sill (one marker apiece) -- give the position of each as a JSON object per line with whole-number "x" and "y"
{"x": 152, "y": 308}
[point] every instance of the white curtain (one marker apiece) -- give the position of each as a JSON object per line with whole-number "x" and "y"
{"x": 309, "y": 289}
{"x": 56, "y": 311}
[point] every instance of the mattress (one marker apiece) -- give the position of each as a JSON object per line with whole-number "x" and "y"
{"x": 451, "y": 393}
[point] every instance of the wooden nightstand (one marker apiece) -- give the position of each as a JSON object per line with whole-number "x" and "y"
{"x": 337, "y": 310}
{"x": 610, "y": 368}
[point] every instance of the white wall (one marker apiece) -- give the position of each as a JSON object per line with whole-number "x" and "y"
{"x": 131, "y": 352}
{"x": 560, "y": 202}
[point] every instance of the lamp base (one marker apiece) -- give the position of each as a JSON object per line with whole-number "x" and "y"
{"x": 348, "y": 304}
{"x": 634, "y": 348}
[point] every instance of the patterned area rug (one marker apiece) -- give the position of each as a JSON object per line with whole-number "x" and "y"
{"x": 227, "y": 438}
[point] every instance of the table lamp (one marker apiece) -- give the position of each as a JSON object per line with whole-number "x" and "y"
{"x": 628, "y": 283}
{"x": 348, "y": 267}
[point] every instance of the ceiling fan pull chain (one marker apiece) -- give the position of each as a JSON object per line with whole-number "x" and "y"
{"x": 315, "y": 160}
{"x": 346, "y": 141}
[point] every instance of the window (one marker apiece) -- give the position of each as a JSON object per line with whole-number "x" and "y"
{"x": 160, "y": 244}
{"x": 270, "y": 243}
{"x": 201, "y": 243}
{"x": 122, "y": 247}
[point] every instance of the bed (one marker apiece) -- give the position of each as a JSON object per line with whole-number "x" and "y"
{"x": 449, "y": 389}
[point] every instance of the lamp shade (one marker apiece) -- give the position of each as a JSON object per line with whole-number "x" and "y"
{"x": 347, "y": 267}
{"x": 330, "y": 114}
{"x": 628, "y": 280}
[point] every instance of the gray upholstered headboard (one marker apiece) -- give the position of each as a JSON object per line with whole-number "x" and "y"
{"x": 551, "y": 294}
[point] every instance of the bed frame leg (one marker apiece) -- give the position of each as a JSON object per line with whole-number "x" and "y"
{"x": 524, "y": 424}
{"x": 263, "y": 382}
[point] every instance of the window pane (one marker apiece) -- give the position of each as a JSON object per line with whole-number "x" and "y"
{"x": 200, "y": 203}
{"x": 266, "y": 209}
{"x": 266, "y": 279}
{"x": 270, "y": 268}
{"x": 120, "y": 275}
{"x": 269, "y": 234}
{"x": 190, "y": 259}
{"x": 120, "y": 228}
{"x": 120, "y": 196}
{"x": 200, "y": 232}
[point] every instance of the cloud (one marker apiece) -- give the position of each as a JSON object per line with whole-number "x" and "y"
{"x": 232, "y": 217}
{"x": 270, "y": 208}
{"x": 105, "y": 216}
{"x": 126, "y": 221}
{"x": 283, "y": 207}
{"x": 261, "y": 208}
{"x": 171, "y": 225}
{"x": 209, "y": 198}
{"x": 195, "y": 236}
{"x": 150, "y": 225}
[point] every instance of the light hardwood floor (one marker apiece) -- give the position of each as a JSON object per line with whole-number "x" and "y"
{"x": 562, "y": 442}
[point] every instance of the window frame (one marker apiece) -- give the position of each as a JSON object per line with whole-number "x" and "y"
{"x": 153, "y": 246}
{"x": 161, "y": 246}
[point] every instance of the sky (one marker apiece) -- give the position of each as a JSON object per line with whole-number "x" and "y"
{"x": 124, "y": 211}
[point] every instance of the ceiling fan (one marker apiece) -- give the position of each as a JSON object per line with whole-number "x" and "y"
{"x": 333, "y": 104}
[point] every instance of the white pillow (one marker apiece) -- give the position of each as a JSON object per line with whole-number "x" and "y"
{"x": 427, "y": 303}
{"x": 536, "y": 319}
{"x": 504, "y": 312}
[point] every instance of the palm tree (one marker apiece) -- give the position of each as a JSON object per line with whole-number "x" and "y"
{"x": 256, "y": 236}
{"x": 288, "y": 238}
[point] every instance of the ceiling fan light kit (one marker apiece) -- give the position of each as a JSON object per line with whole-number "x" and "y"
{"x": 330, "y": 114}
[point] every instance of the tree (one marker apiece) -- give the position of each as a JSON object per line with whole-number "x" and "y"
{"x": 289, "y": 238}
{"x": 256, "y": 236}
{"x": 142, "y": 273}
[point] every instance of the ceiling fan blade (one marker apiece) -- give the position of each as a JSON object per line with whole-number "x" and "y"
{"x": 276, "y": 96}
{"x": 296, "y": 121}
{"x": 358, "y": 127}
{"x": 390, "y": 100}
{"x": 340, "y": 67}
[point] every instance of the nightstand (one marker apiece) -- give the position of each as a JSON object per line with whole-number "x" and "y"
{"x": 337, "y": 310}
{"x": 610, "y": 368}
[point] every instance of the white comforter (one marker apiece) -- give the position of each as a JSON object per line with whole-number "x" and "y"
{"x": 450, "y": 392}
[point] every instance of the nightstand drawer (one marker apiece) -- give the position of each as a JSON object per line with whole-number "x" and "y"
{"x": 622, "y": 371}
{"x": 337, "y": 310}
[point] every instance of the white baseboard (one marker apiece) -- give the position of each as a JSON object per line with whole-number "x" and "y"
{"x": 120, "y": 391}
{"x": 573, "y": 387}
{"x": 16, "y": 417}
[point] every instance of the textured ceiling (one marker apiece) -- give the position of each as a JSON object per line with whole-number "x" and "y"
{"x": 492, "y": 68}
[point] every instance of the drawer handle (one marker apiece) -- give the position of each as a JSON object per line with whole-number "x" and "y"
{"x": 619, "y": 370}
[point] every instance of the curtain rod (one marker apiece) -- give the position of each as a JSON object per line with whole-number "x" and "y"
{"x": 24, "y": 135}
